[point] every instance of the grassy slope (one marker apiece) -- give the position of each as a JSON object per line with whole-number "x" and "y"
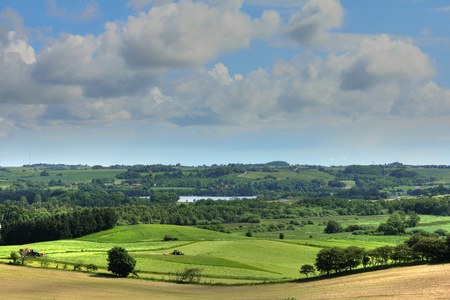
{"x": 302, "y": 174}
{"x": 421, "y": 282}
{"x": 217, "y": 254}
{"x": 220, "y": 256}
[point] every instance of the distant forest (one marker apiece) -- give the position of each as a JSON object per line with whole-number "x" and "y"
{"x": 50, "y": 208}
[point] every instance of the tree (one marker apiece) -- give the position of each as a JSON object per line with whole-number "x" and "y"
{"x": 353, "y": 256}
{"x": 333, "y": 227}
{"x": 329, "y": 259}
{"x": 281, "y": 236}
{"x": 401, "y": 253}
{"x": 307, "y": 269}
{"x": 120, "y": 262}
{"x": 430, "y": 247}
{"x": 414, "y": 219}
{"x": 398, "y": 221}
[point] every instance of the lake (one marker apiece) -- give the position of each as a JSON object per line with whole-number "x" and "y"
{"x": 192, "y": 198}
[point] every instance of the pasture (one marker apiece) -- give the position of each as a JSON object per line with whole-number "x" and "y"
{"x": 222, "y": 258}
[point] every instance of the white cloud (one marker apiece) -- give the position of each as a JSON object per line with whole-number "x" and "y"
{"x": 381, "y": 60}
{"x": 316, "y": 19}
{"x": 120, "y": 75}
{"x": 186, "y": 34}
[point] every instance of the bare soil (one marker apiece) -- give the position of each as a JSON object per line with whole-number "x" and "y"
{"x": 420, "y": 282}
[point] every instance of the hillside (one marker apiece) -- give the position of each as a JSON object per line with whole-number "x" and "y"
{"x": 421, "y": 282}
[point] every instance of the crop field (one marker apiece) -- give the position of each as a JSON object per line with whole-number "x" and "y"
{"x": 420, "y": 282}
{"x": 442, "y": 175}
{"x": 66, "y": 176}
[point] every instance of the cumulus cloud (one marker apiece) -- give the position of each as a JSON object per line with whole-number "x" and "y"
{"x": 120, "y": 75}
{"x": 382, "y": 60}
{"x": 187, "y": 33}
{"x": 316, "y": 19}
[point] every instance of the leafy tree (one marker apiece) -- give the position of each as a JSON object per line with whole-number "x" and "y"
{"x": 307, "y": 269}
{"x": 353, "y": 256}
{"x": 430, "y": 247}
{"x": 120, "y": 262}
{"x": 281, "y": 236}
{"x": 401, "y": 253}
{"x": 333, "y": 227}
{"x": 329, "y": 259}
{"x": 414, "y": 219}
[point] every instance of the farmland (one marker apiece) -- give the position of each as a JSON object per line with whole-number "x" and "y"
{"x": 266, "y": 239}
{"x": 226, "y": 258}
{"x": 420, "y": 282}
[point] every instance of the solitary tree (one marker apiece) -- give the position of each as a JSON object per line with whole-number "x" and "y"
{"x": 333, "y": 227}
{"x": 307, "y": 269}
{"x": 120, "y": 262}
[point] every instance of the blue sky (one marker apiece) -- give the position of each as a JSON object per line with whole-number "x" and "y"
{"x": 214, "y": 82}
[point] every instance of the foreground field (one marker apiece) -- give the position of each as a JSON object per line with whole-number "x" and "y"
{"x": 222, "y": 258}
{"x": 420, "y": 282}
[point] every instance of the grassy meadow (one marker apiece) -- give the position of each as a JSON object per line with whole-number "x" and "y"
{"x": 225, "y": 258}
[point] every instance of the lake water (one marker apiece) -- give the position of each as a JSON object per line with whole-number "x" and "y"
{"x": 192, "y": 198}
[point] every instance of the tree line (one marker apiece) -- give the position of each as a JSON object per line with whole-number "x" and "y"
{"x": 419, "y": 247}
{"x": 78, "y": 223}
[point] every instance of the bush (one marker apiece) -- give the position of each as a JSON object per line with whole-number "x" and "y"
{"x": 91, "y": 267}
{"x": 168, "y": 237}
{"x": 281, "y": 236}
{"x": 190, "y": 274}
{"x": 14, "y": 256}
{"x": 120, "y": 263}
{"x": 249, "y": 233}
{"x": 333, "y": 227}
{"x": 77, "y": 266}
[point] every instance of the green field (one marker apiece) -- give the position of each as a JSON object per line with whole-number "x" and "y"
{"x": 66, "y": 176}
{"x": 301, "y": 174}
{"x": 222, "y": 257}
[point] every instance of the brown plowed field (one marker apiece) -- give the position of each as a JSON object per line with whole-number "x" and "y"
{"x": 421, "y": 282}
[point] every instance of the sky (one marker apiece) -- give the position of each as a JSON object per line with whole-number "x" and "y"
{"x": 318, "y": 82}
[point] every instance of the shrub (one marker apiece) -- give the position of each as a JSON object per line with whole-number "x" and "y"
{"x": 91, "y": 267}
{"x": 168, "y": 237}
{"x": 333, "y": 227}
{"x": 190, "y": 274}
{"x": 281, "y": 236}
{"x": 14, "y": 256}
{"x": 77, "y": 266}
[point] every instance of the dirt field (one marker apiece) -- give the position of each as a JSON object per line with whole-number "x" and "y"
{"x": 422, "y": 282}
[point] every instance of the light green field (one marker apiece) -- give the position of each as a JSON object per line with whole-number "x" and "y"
{"x": 302, "y": 174}
{"x": 218, "y": 255}
{"x": 227, "y": 258}
{"x": 66, "y": 176}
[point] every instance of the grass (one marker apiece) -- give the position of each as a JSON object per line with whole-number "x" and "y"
{"x": 302, "y": 174}
{"x": 66, "y": 176}
{"x": 221, "y": 257}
